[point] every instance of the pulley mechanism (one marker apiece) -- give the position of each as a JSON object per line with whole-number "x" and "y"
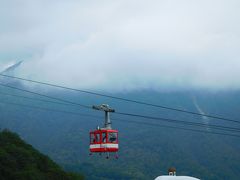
{"x": 107, "y": 110}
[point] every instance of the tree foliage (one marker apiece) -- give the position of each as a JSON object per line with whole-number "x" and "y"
{"x": 21, "y": 161}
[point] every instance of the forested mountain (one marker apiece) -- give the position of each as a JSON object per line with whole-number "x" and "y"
{"x": 145, "y": 151}
{"x": 21, "y": 161}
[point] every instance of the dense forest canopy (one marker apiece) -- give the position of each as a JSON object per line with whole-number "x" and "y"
{"x": 19, "y": 160}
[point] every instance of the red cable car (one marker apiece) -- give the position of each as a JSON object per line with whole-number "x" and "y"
{"x": 104, "y": 140}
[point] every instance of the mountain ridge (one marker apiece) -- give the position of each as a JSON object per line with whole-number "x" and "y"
{"x": 19, "y": 160}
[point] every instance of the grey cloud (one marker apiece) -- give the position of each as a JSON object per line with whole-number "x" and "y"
{"x": 124, "y": 45}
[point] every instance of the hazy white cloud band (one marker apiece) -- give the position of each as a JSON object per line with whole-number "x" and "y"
{"x": 124, "y": 44}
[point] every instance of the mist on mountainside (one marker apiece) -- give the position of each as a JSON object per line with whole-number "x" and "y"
{"x": 145, "y": 151}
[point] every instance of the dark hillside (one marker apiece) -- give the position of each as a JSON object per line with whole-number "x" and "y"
{"x": 19, "y": 160}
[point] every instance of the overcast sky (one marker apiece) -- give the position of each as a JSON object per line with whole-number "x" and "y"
{"x": 124, "y": 44}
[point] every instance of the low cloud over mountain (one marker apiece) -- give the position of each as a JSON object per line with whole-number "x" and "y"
{"x": 124, "y": 45}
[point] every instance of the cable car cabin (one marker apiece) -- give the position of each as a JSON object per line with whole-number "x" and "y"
{"x": 104, "y": 141}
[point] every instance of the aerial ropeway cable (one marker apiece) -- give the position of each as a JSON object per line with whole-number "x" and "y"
{"x": 226, "y": 128}
{"x": 84, "y": 106}
{"x": 208, "y": 126}
{"x": 146, "y": 117}
{"x": 121, "y": 120}
{"x": 122, "y": 99}
{"x": 67, "y": 102}
{"x": 120, "y": 113}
